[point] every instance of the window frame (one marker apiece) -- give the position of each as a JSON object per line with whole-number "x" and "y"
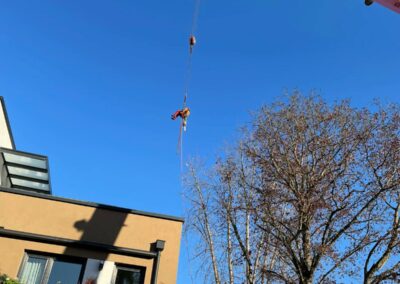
{"x": 133, "y": 268}
{"x": 25, "y": 260}
{"x": 50, "y": 259}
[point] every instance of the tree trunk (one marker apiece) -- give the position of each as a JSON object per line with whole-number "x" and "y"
{"x": 209, "y": 237}
{"x": 229, "y": 240}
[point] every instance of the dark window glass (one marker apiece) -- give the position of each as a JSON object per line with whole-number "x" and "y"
{"x": 38, "y": 269}
{"x": 128, "y": 276}
{"x": 64, "y": 272}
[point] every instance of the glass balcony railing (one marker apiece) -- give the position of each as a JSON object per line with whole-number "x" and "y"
{"x": 24, "y": 171}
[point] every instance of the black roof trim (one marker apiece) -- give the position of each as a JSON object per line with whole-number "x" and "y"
{"x": 76, "y": 243}
{"x": 3, "y": 104}
{"x": 91, "y": 204}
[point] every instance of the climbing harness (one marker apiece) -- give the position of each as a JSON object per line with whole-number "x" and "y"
{"x": 184, "y": 114}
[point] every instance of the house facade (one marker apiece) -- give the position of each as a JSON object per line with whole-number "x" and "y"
{"x": 49, "y": 239}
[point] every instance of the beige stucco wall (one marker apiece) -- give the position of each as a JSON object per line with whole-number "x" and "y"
{"x": 71, "y": 221}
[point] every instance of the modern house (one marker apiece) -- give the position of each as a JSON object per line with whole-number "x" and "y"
{"x": 49, "y": 239}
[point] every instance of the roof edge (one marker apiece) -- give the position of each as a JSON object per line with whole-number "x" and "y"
{"x": 92, "y": 204}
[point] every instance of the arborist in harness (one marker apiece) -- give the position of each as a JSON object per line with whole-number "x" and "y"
{"x": 185, "y": 111}
{"x": 184, "y": 114}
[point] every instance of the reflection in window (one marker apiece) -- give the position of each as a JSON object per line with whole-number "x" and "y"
{"x": 64, "y": 272}
{"x": 30, "y": 184}
{"x": 50, "y": 270}
{"x": 25, "y": 161}
{"x": 128, "y": 276}
{"x": 28, "y": 173}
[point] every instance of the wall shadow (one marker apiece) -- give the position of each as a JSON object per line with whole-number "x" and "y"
{"x": 101, "y": 231}
{"x": 103, "y": 228}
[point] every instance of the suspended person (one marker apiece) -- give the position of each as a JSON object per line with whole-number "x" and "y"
{"x": 185, "y": 112}
{"x": 182, "y": 113}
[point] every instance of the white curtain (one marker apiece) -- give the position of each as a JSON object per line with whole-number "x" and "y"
{"x": 33, "y": 270}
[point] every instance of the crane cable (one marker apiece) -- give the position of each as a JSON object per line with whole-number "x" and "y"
{"x": 188, "y": 74}
{"x": 189, "y": 61}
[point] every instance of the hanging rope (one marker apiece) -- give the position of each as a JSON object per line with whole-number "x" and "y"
{"x": 195, "y": 16}
{"x": 187, "y": 79}
{"x": 192, "y": 42}
{"x": 188, "y": 75}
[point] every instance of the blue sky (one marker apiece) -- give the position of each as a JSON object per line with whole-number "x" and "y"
{"x": 92, "y": 84}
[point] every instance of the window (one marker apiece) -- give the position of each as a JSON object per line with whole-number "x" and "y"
{"x": 38, "y": 269}
{"x": 128, "y": 275}
{"x": 33, "y": 270}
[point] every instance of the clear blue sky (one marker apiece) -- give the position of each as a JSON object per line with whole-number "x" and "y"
{"x": 92, "y": 84}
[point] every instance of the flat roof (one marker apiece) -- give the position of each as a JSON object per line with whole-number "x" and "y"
{"x": 91, "y": 204}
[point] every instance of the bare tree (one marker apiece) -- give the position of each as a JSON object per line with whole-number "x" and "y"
{"x": 222, "y": 216}
{"x": 310, "y": 194}
{"x": 382, "y": 154}
{"x": 202, "y": 220}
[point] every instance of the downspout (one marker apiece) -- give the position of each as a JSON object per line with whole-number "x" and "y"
{"x": 158, "y": 247}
